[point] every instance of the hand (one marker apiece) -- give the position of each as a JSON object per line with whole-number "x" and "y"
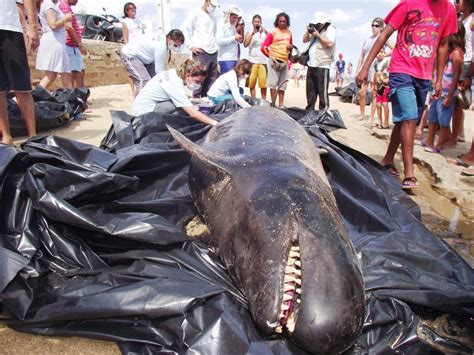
{"x": 467, "y": 82}
{"x": 238, "y": 37}
{"x": 68, "y": 17}
{"x": 214, "y": 122}
{"x": 437, "y": 90}
{"x": 289, "y": 47}
{"x": 315, "y": 34}
{"x": 83, "y": 50}
{"x": 361, "y": 77}
{"x": 196, "y": 50}
{"x": 32, "y": 38}
{"x": 447, "y": 101}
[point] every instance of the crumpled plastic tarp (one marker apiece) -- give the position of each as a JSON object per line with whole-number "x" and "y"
{"x": 51, "y": 109}
{"x": 92, "y": 244}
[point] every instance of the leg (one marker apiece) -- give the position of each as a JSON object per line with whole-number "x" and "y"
{"x": 432, "y": 127}
{"x": 362, "y": 93}
{"x": 468, "y": 157}
{"x": 421, "y": 126}
{"x": 263, "y": 93}
{"x": 407, "y": 134}
{"x": 27, "y": 108}
{"x": 281, "y": 97}
{"x": 80, "y": 78}
{"x": 458, "y": 117}
{"x": 323, "y": 85}
{"x": 443, "y": 137}
{"x": 4, "y": 125}
{"x": 386, "y": 113}
{"x": 310, "y": 89}
{"x": 372, "y": 104}
{"x": 392, "y": 145}
{"x": 253, "y": 80}
{"x": 273, "y": 94}
{"x": 66, "y": 80}
{"x": 379, "y": 113}
{"x": 262, "y": 80}
{"x": 49, "y": 78}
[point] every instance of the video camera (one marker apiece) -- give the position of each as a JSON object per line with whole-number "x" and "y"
{"x": 317, "y": 27}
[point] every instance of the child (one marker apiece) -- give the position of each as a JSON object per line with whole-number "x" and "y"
{"x": 423, "y": 29}
{"x": 227, "y": 85}
{"x": 441, "y": 110}
{"x": 382, "y": 89}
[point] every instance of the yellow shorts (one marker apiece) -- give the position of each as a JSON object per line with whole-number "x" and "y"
{"x": 259, "y": 71}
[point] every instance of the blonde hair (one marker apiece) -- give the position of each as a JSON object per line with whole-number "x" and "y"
{"x": 192, "y": 67}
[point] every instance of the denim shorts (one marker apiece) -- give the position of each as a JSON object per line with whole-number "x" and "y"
{"x": 408, "y": 95}
{"x": 438, "y": 114}
{"x": 76, "y": 62}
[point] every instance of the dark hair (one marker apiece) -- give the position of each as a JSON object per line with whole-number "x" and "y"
{"x": 125, "y": 8}
{"x": 458, "y": 39}
{"x": 379, "y": 21}
{"x": 260, "y": 18}
{"x": 192, "y": 67}
{"x": 243, "y": 64}
{"x": 282, "y": 14}
{"x": 176, "y": 35}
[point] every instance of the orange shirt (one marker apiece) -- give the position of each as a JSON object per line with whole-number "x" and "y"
{"x": 277, "y": 43}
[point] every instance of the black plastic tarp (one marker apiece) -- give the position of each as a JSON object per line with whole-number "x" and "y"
{"x": 52, "y": 110}
{"x": 92, "y": 244}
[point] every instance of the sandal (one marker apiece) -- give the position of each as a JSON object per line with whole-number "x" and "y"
{"x": 432, "y": 150}
{"x": 410, "y": 183}
{"x": 461, "y": 162}
{"x": 392, "y": 170}
{"x": 420, "y": 142}
{"x": 376, "y": 125}
{"x": 468, "y": 171}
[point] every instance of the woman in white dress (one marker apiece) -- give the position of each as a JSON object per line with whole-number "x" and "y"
{"x": 131, "y": 26}
{"x": 52, "y": 56}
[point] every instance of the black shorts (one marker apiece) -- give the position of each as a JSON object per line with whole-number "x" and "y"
{"x": 14, "y": 69}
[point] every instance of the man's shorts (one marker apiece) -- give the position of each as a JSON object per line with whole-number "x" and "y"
{"x": 258, "y": 72}
{"x": 275, "y": 77}
{"x": 408, "y": 95}
{"x": 76, "y": 63}
{"x": 341, "y": 75}
{"x": 14, "y": 69}
{"x": 438, "y": 114}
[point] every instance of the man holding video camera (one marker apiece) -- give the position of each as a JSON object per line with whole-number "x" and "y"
{"x": 322, "y": 37}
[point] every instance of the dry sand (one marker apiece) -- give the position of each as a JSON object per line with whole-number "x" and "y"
{"x": 446, "y": 198}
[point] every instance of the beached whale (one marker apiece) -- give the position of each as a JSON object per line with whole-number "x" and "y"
{"x": 258, "y": 182}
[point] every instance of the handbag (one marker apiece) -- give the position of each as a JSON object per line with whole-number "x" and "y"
{"x": 304, "y": 57}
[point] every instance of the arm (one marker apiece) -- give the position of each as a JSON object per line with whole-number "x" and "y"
{"x": 248, "y": 38}
{"x": 222, "y": 38}
{"x": 441, "y": 57}
{"x": 328, "y": 37}
{"x": 199, "y": 116}
{"x": 31, "y": 34}
{"x": 53, "y": 21}
{"x": 383, "y": 37}
{"x": 124, "y": 32}
{"x": 267, "y": 43}
{"x": 234, "y": 90}
{"x": 388, "y": 51}
{"x": 160, "y": 53}
{"x": 76, "y": 39}
{"x": 457, "y": 69}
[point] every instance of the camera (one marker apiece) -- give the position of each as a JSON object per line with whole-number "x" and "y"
{"x": 257, "y": 28}
{"x": 311, "y": 28}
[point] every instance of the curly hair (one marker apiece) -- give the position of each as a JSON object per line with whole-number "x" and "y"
{"x": 192, "y": 67}
{"x": 282, "y": 14}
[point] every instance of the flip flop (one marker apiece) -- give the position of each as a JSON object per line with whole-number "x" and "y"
{"x": 420, "y": 142}
{"x": 392, "y": 170}
{"x": 461, "y": 162}
{"x": 410, "y": 183}
{"x": 468, "y": 171}
{"x": 432, "y": 150}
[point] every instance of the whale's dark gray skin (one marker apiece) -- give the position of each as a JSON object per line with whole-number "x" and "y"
{"x": 259, "y": 184}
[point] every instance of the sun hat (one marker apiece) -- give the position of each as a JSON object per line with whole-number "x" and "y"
{"x": 320, "y": 17}
{"x": 234, "y": 9}
{"x": 214, "y": 3}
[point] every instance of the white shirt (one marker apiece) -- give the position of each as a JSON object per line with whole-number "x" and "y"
{"x": 329, "y": 34}
{"x": 148, "y": 51}
{"x": 9, "y": 19}
{"x": 136, "y": 29}
{"x": 164, "y": 86}
{"x": 199, "y": 29}
{"x": 227, "y": 83}
{"x": 255, "y": 53}
{"x": 225, "y": 38}
{"x": 59, "y": 33}
{"x": 467, "y": 26}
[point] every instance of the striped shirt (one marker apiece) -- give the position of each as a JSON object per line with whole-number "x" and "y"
{"x": 66, "y": 9}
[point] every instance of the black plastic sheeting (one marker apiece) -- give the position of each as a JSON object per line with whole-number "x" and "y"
{"x": 52, "y": 110}
{"x": 92, "y": 245}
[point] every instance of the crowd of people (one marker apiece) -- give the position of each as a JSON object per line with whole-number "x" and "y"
{"x": 422, "y": 92}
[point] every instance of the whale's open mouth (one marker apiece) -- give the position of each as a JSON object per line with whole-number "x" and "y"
{"x": 291, "y": 291}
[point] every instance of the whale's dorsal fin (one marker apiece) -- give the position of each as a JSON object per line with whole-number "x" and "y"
{"x": 209, "y": 158}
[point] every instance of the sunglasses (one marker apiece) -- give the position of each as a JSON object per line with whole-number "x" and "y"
{"x": 174, "y": 45}
{"x": 375, "y": 25}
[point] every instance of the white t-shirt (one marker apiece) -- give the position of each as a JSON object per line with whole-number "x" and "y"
{"x": 164, "y": 86}
{"x": 147, "y": 51}
{"x": 9, "y": 20}
{"x": 255, "y": 53}
{"x": 225, "y": 38}
{"x": 136, "y": 28}
{"x": 227, "y": 83}
{"x": 467, "y": 26}
{"x": 199, "y": 29}
{"x": 329, "y": 34}
{"x": 60, "y": 33}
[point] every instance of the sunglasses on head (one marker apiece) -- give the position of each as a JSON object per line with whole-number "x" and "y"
{"x": 375, "y": 25}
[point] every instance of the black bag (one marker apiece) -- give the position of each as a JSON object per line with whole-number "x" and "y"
{"x": 304, "y": 57}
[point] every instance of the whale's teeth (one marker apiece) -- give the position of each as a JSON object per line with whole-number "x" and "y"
{"x": 298, "y": 300}
{"x": 295, "y": 248}
{"x": 290, "y": 270}
{"x": 287, "y": 297}
{"x": 278, "y": 329}
{"x": 298, "y": 263}
{"x": 285, "y": 307}
{"x": 298, "y": 281}
{"x": 294, "y": 254}
{"x": 291, "y": 261}
{"x": 288, "y": 287}
{"x": 297, "y": 272}
{"x": 289, "y": 278}
{"x": 298, "y": 290}
{"x": 291, "y": 324}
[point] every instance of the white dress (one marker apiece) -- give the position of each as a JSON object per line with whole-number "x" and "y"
{"x": 52, "y": 54}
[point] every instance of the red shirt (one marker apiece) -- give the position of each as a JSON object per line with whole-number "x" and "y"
{"x": 421, "y": 24}
{"x": 66, "y": 9}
